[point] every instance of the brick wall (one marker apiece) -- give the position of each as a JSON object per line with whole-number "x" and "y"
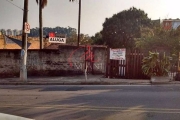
{"x": 67, "y": 60}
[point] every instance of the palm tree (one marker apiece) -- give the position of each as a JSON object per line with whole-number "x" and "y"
{"x": 42, "y": 4}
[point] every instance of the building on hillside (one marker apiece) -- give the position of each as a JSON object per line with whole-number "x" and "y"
{"x": 169, "y": 24}
{"x": 20, "y": 32}
{"x": 15, "y": 32}
{"x": 9, "y": 32}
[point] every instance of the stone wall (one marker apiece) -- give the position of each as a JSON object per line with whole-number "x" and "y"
{"x": 67, "y": 60}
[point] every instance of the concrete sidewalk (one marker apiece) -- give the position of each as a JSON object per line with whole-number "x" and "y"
{"x": 77, "y": 80}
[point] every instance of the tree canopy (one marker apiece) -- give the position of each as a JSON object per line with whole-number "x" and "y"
{"x": 43, "y": 3}
{"x": 85, "y": 39}
{"x": 97, "y": 39}
{"x": 59, "y": 30}
{"x": 121, "y": 29}
{"x": 160, "y": 40}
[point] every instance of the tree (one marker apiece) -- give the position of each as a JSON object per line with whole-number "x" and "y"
{"x": 84, "y": 39}
{"x": 42, "y": 4}
{"x": 121, "y": 29}
{"x": 59, "y": 30}
{"x": 160, "y": 40}
{"x": 71, "y": 40}
{"x": 97, "y": 39}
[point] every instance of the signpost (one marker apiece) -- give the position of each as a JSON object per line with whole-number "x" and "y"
{"x": 56, "y": 39}
{"x": 118, "y": 54}
{"x": 27, "y": 28}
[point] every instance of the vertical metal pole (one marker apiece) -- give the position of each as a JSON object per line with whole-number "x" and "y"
{"x": 23, "y": 69}
{"x": 79, "y": 21}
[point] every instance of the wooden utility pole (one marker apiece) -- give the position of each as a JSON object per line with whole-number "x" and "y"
{"x": 79, "y": 22}
{"x": 23, "y": 69}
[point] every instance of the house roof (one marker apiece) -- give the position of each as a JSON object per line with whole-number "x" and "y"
{"x": 171, "y": 20}
{"x": 34, "y": 44}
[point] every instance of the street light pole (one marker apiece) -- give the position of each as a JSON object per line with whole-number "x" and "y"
{"x": 79, "y": 21}
{"x": 23, "y": 69}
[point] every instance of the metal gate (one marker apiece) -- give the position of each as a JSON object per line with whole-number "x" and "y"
{"x": 127, "y": 69}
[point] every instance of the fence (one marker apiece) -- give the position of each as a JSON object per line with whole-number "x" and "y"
{"x": 131, "y": 67}
{"x": 127, "y": 69}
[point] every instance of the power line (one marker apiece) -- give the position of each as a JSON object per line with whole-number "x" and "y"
{"x": 15, "y": 5}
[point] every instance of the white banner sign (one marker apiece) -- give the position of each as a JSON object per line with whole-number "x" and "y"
{"x": 57, "y": 40}
{"x": 118, "y": 54}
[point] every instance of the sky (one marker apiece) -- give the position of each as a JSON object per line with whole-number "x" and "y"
{"x": 93, "y": 12}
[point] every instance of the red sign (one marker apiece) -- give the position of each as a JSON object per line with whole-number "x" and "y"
{"x": 51, "y": 34}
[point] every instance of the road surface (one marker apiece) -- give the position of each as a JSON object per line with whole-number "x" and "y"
{"x": 93, "y": 102}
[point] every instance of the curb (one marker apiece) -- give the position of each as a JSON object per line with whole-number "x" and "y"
{"x": 88, "y": 83}
{"x": 80, "y": 83}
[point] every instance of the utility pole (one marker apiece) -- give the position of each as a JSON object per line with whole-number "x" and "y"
{"x": 79, "y": 22}
{"x": 23, "y": 69}
{"x": 40, "y": 25}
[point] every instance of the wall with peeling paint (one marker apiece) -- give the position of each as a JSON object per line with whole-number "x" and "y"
{"x": 67, "y": 60}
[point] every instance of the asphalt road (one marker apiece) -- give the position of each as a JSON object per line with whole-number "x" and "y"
{"x": 93, "y": 102}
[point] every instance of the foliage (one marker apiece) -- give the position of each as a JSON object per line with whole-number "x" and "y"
{"x": 154, "y": 39}
{"x": 153, "y": 65}
{"x": 72, "y": 39}
{"x": 84, "y": 39}
{"x": 97, "y": 39}
{"x": 44, "y": 3}
{"x": 121, "y": 29}
{"x": 46, "y": 30}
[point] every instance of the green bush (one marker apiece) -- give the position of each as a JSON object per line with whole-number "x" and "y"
{"x": 152, "y": 65}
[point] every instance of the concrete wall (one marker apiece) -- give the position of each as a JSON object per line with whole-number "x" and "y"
{"x": 67, "y": 60}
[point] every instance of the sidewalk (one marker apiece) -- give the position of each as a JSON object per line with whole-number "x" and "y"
{"x": 77, "y": 80}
